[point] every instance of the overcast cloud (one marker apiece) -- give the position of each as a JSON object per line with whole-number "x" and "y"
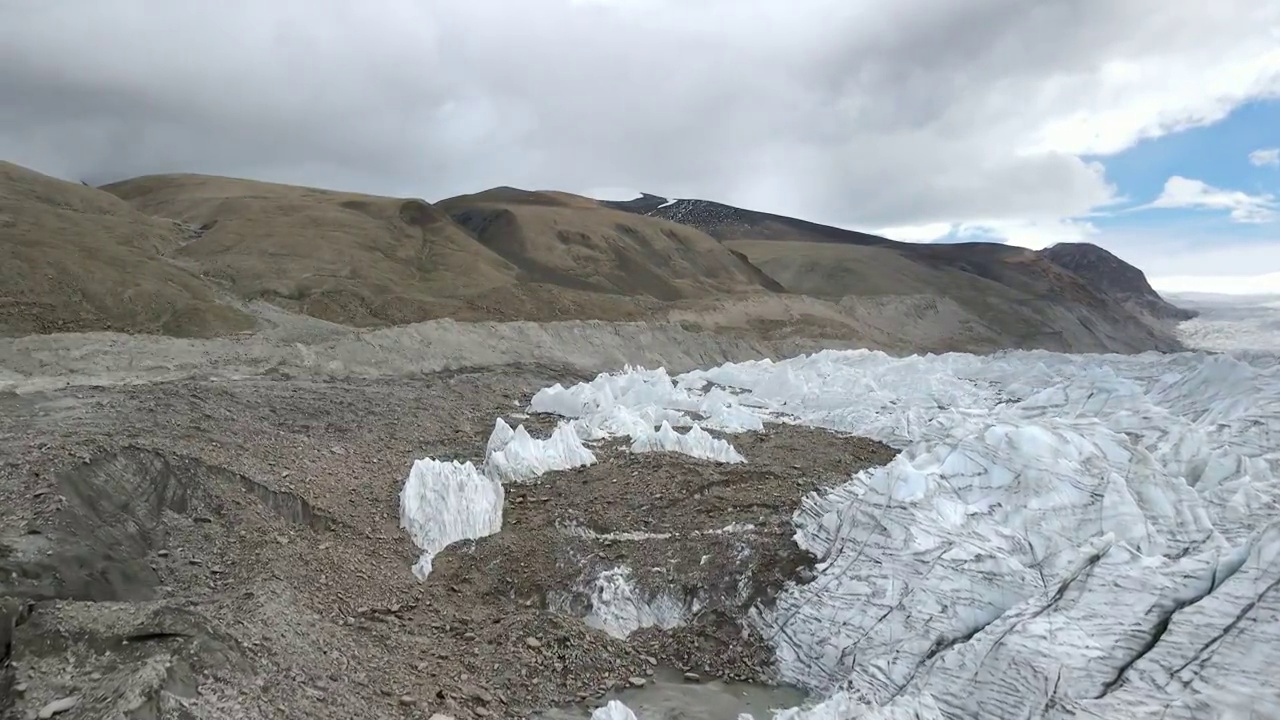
{"x": 850, "y": 112}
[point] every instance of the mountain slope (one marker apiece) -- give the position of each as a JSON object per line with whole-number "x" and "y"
{"x": 578, "y": 243}
{"x": 725, "y": 222}
{"x": 192, "y": 255}
{"x": 1108, "y": 273}
{"x": 1020, "y": 305}
{"x": 350, "y": 258}
{"x": 1024, "y": 299}
{"x": 73, "y": 258}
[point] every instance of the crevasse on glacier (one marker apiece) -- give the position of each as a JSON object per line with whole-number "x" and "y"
{"x": 1061, "y": 536}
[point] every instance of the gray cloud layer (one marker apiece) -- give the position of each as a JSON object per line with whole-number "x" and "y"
{"x": 844, "y": 111}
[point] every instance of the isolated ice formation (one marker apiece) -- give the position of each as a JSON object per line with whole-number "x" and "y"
{"x": 444, "y": 502}
{"x": 499, "y": 438}
{"x": 647, "y": 406}
{"x": 516, "y": 456}
{"x": 575, "y": 530}
{"x": 696, "y": 443}
{"x": 1061, "y": 537}
{"x": 614, "y": 710}
{"x": 619, "y": 402}
{"x": 619, "y": 608}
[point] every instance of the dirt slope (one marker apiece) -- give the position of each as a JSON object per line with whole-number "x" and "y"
{"x": 578, "y": 243}
{"x": 1079, "y": 271}
{"x": 354, "y": 259}
{"x": 73, "y": 258}
{"x": 1025, "y": 299}
{"x": 1008, "y": 297}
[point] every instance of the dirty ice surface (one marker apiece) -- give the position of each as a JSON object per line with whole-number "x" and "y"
{"x": 1061, "y": 537}
{"x": 1237, "y": 323}
{"x": 619, "y": 609}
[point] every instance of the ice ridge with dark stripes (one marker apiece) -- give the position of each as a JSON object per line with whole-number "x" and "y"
{"x": 1062, "y": 536}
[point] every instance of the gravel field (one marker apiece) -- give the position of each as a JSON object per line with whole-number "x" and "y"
{"x": 213, "y": 548}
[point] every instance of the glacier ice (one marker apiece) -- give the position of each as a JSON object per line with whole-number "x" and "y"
{"x": 1232, "y": 322}
{"x": 619, "y": 608}
{"x": 516, "y": 456}
{"x": 500, "y": 437}
{"x": 1061, "y": 536}
{"x": 647, "y": 406}
{"x": 696, "y": 443}
{"x": 614, "y": 710}
{"x": 444, "y": 502}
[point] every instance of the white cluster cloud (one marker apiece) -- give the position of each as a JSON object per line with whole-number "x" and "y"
{"x": 928, "y": 232}
{"x": 914, "y": 114}
{"x": 1265, "y": 157}
{"x": 1181, "y": 192}
{"x": 1264, "y": 284}
{"x": 1031, "y": 234}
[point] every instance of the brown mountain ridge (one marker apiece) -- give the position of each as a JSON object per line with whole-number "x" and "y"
{"x": 577, "y": 243}
{"x": 201, "y": 256}
{"x": 1022, "y": 292}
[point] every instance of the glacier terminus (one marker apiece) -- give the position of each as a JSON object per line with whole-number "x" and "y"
{"x": 1061, "y": 536}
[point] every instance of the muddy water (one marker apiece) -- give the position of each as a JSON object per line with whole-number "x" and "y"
{"x": 668, "y": 697}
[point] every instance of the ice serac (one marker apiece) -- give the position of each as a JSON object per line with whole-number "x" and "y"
{"x": 696, "y": 443}
{"x": 516, "y": 456}
{"x": 499, "y": 438}
{"x": 646, "y": 406}
{"x": 444, "y": 502}
{"x": 1061, "y": 536}
{"x": 845, "y": 706}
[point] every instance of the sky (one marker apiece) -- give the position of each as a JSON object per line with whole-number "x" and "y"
{"x": 1150, "y": 127}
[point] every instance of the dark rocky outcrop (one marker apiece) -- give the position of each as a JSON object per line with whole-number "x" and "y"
{"x": 1107, "y": 273}
{"x": 725, "y": 222}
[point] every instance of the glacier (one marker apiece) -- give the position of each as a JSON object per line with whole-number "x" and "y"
{"x": 1234, "y": 323}
{"x": 1061, "y": 536}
